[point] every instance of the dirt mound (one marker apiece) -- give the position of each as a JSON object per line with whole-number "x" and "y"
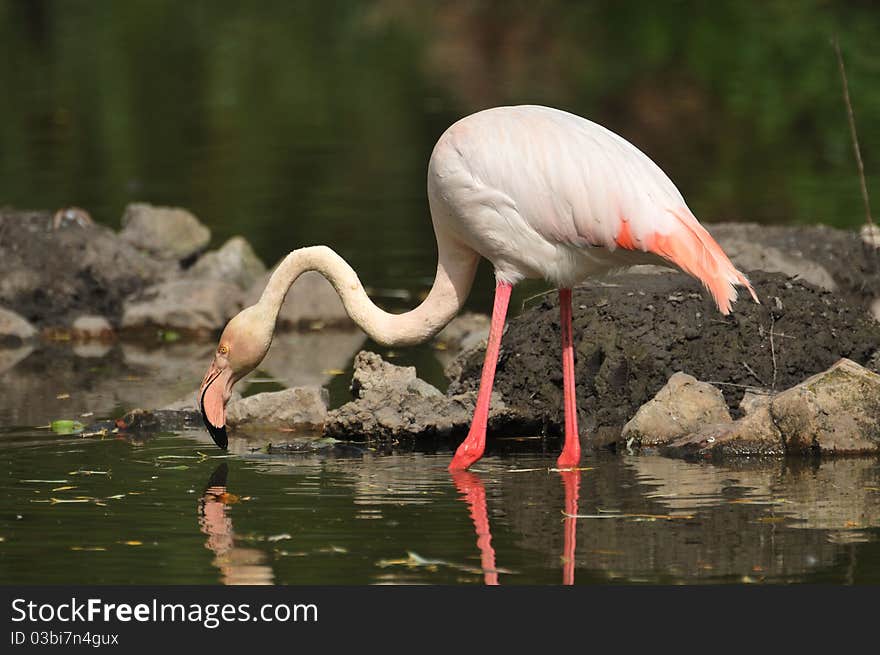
{"x": 633, "y": 331}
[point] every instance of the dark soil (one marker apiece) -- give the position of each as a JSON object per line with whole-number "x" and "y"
{"x": 633, "y": 331}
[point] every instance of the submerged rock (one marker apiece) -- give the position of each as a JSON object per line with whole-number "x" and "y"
{"x": 235, "y": 262}
{"x": 164, "y": 232}
{"x": 632, "y": 332}
{"x": 682, "y": 406}
{"x": 14, "y": 329}
{"x": 299, "y": 409}
{"x": 392, "y": 403}
{"x": 191, "y": 305}
{"x": 311, "y": 301}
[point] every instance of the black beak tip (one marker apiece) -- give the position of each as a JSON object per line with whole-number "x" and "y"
{"x": 217, "y": 434}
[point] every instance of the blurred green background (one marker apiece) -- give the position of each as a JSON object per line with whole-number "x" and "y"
{"x": 296, "y": 123}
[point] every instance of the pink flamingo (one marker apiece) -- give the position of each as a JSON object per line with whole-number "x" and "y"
{"x": 540, "y": 193}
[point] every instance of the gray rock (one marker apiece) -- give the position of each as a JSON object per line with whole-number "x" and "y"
{"x": 14, "y": 329}
{"x": 192, "y": 305}
{"x": 91, "y": 326}
{"x": 51, "y": 275}
{"x": 164, "y": 232}
{"x": 234, "y": 262}
{"x": 299, "y": 409}
{"x": 464, "y": 333}
{"x": 834, "y": 412}
{"x": 311, "y": 301}
{"x": 874, "y": 363}
{"x": 682, "y": 406}
{"x": 392, "y": 403}
{"x": 871, "y": 235}
{"x": 750, "y": 255}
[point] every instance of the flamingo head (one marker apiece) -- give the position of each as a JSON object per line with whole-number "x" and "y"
{"x": 243, "y": 345}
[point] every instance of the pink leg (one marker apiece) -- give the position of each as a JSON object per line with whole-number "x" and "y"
{"x": 471, "y": 487}
{"x": 571, "y": 452}
{"x": 471, "y": 449}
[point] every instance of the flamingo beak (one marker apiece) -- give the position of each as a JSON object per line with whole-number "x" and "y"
{"x": 213, "y": 395}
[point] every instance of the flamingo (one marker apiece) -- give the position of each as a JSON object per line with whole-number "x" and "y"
{"x": 540, "y": 193}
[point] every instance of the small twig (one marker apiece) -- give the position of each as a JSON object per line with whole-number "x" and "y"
{"x": 749, "y": 387}
{"x": 755, "y": 375}
{"x": 852, "y": 130}
{"x": 773, "y": 350}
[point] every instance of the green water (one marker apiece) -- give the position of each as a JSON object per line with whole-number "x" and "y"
{"x": 294, "y": 123}
{"x": 113, "y": 511}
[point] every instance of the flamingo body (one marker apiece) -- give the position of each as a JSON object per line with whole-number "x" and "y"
{"x": 540, "y": 193}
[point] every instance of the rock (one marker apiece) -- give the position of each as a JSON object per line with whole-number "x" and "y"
{"x": 91, "y": 326}
{"x": 632, "y": 332}
{"x": 874, "y": 363}
{"x": 164, "y": 232}
{"x": 834, "y": 412}
{"x": 871, "y": 235}
{"x": 51, "y": 275}
{"x": 392, "y": 403}
{"x": 14, "y": 330}
{"x": 191, "y": 305}
{"x": 875, "y": 309}
{"x": 753, "y": 435}
{"x": 749, "y": 255}
{"x": 465, "y": 332}
{"x": 682, "y": 406}
{"x": 234, "y": 262}
{"x": 808, "y": 252}
{"x": 311, "y": 300}
{"x": 302, "y": 408}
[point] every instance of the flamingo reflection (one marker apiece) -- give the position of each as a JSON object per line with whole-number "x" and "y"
{"x": 237, "y": 565}
{"x": 471, "y": 487}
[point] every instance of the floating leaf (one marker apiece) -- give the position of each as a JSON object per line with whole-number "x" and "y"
{"x": 66, "y": 426}
{"x": 278, "y": 537}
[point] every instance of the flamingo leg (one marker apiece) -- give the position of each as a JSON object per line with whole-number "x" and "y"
{"x": 471, "y": 449}
{"x": 571, "y": 452}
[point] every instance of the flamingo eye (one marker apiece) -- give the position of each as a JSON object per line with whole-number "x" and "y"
{"x": 223, "y": 349}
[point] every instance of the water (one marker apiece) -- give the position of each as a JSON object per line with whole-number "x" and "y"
{"x": 173, "y": 510}
{"x": 312, "y": 122}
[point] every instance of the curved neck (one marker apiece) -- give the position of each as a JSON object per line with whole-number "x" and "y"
{"x": 455, "y": 273}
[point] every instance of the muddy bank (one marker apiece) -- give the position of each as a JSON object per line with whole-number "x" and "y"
{"x": 632, "y": 332}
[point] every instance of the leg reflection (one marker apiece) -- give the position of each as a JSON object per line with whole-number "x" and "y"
{"x": 571, "y": 480}
{"x": 471, "y": 487}
{"x": 237, "y": 565}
